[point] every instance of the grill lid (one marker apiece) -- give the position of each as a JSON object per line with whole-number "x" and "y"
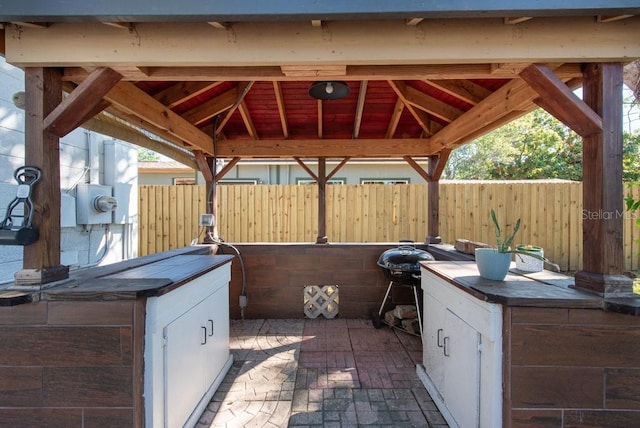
{"x": 406, "y": 258}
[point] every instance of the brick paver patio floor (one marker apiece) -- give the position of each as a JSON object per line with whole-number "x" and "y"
{"x": 321, "y": 373}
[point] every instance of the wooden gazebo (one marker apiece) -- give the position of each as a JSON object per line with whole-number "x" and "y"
{"x": 229, "y": 82}
{"x": 199, "y": 81}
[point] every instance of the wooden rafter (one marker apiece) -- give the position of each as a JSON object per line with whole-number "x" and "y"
{"x": 395, "y": 119}
{"x": 320, "y": 127}
{"x": 84, "y": 102}
{"x": 248, "y": 122}
{"x": 281, "y": 109}
{"x": 400, "y": 89}
{"x": 183, "y": 91}
{"x": 205, "y": 111}
{"x": 127, "y": 97}
{"x": 515, "y": 97}
{"x": 561, "y": 102}
{"x": 362, "y": 94}
{"x": 464, "y": 90}
{"x": 430, "y": 104}
{"x": 241, "y": 91}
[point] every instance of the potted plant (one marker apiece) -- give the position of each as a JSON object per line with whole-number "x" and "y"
{"x": 494, "y": 262}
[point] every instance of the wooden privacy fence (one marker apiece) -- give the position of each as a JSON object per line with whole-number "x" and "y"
{"x": 550, "y": 211}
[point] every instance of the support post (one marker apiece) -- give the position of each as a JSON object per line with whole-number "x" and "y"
{"x": 602, "y": 215}
{"x": 322, "y": 201}
{"x": 433, "y": 202}
{"x": 41, "y": 260}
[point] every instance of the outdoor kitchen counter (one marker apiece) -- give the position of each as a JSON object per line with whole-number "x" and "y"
{"x": 544, "y": 289}
{"x": 148, "y": 276}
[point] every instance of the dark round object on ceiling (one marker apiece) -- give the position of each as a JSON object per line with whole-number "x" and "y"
{"x": 329, "y": 90}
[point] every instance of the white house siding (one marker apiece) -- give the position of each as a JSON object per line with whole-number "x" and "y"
{"x": 82, "y": 160}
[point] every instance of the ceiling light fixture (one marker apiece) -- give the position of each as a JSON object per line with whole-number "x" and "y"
{"x": 329, "y": 90}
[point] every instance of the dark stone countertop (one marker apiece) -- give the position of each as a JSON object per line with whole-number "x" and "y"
{"x": 531, "y": 289}
{"x": 131, "y": 279}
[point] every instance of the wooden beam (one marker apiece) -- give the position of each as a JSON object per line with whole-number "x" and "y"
{"x": 277, "y": 89}
{"x": 76, "y": 108}
{"x": 205, "y": 111}
{"x": 306, "y": 168}
{"x": 228, "y": 166}
{"x": 400, "y": 89}
{"x": 322, "y": 201}
{"x": 514, "y": 96}
{"x": 395, "y": 119}
{"x": 362, "y": 94}
{"x": 602, "y": 219}
{"x": 561, "y": 102}
{"x": 203, "y": 165}
{"x": 248, "y": 122}
{"x": 431, "y": 105}
{"x": 417, "y": 168}
{"x": 108, "y": 125}
{"x": 330, "y": 148}
{"x": 353, "y": 72}
{"x": 320, "y": 125}
{"x": 183, "y": 91}
{"x": 337, "y": 168}
{"x": 133, "y": 100}
{"x": 464, "y": 90}
{"x": 241, "y": 91}
{"x": 41, "y": 260}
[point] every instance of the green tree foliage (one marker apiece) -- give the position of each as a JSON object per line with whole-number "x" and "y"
{"x": 146, "y": 155}
{"x": 535, "y": 146}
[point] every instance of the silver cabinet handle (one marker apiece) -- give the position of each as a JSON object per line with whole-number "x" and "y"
{"x": 211, "y": 325}
{"x": 446, "y": 346}
{"x": 439, "y": 338}
{"x": 204, "y": 336}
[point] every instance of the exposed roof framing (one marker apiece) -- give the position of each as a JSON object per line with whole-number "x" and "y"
{"x": 424, "y": 100}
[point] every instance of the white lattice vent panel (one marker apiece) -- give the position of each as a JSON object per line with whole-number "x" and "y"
{"x": 321, "y": 300}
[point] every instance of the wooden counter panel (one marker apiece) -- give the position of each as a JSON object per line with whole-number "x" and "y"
{"x": 570, "y": 345}
{"x": 91, "y": 313}
{"x": 27, "y": 314}
{"x": 61, "y": 346}
{"x": 108, "y": 418}
{"x": 623, "y": 388}
{"x": 537, "y": 418}
{"x": 87, "y": 387}
{"x": 20, "y": 386}
{"x": 41, "y": 417}
{"x": 557, "y": 387}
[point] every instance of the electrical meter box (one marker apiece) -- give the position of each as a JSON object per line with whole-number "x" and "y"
{"x": 94, "y": 204}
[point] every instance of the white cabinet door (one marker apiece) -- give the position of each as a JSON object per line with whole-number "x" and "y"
{"x": 432, "y": 340}
{"x": 185, "y": 380}
{"x": 215, "y": 316}
{"x": 461, "y": 389}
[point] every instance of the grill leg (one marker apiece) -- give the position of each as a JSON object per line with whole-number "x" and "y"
{"x": 415, "y": 296}
{"x": 386, "y": 296}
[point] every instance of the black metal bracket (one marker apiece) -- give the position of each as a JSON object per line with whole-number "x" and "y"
{"x": 16, "y": 229}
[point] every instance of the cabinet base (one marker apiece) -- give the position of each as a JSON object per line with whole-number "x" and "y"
{"x": 206, "y": 398}
{"x": 435, "y": 396}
